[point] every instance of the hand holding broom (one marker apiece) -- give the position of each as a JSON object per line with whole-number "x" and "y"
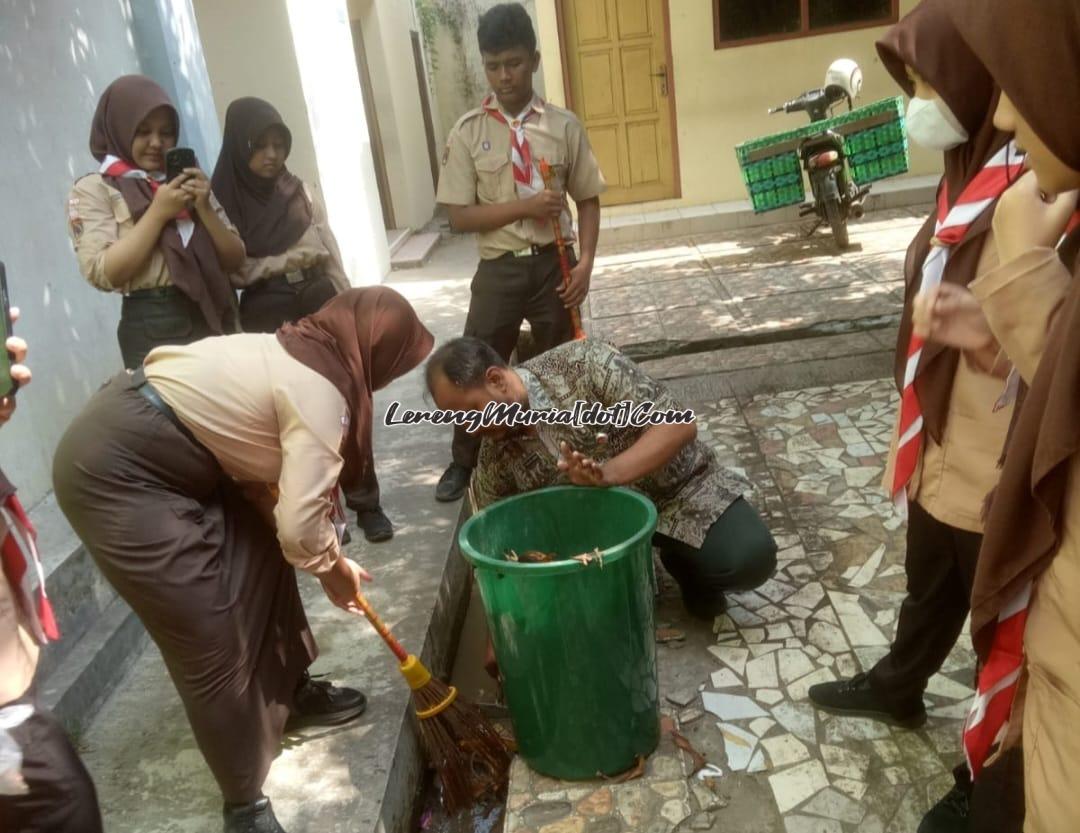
{"x": 468, "y": 753}
{"x": 548, "y": 176}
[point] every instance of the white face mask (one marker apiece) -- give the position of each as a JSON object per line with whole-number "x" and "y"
{"x": 931, "y": 123}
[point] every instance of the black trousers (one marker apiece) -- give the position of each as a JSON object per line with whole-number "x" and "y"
{"x": 505, "y": 292}
{"x": 940, "y": 564}
{"x": 61, "y": 797}
{"x": 738, "y": 553}
{"x": 268, "y": 304}
{"x": 997, "y": 798}
{"x": 155, "y": 318}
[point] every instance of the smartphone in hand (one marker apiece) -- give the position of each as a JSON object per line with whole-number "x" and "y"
{"x": 176, "y": 160}
{"x": 8, "y": 385}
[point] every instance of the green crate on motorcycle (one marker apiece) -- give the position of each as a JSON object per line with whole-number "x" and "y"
{"x": 875, "y": 143}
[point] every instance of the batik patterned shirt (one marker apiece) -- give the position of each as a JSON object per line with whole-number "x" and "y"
{"x": 690, "y": 492}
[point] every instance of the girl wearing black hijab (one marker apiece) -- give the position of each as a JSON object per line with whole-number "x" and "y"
{"x": 293, "y": 266}
{"x": 165, "y": 245}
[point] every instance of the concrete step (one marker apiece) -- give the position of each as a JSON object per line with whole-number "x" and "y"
{"x": 396, "y": 238}
{"x": 414, "y": 251}
{"x": 784, "y": 365}
{"x": 95, "y": 665}
{"x": 100, "y": 636}
{"x": 628, "y": 225}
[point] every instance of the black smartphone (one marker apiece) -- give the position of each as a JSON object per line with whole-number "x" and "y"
{"x": 176, "y": 160}
{"x": 7, "y": 384}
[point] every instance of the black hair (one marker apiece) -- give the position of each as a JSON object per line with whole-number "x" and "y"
{"x": 463, "y": 361}
{"x": 506, "y": 26}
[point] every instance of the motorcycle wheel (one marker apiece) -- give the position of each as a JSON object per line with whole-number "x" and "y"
{"x": 834, "y": 213}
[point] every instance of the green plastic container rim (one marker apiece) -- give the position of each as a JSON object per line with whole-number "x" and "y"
{"x": 553, "y": 568}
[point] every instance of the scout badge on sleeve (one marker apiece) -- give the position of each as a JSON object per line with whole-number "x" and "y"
{"x": 74, "y": 220}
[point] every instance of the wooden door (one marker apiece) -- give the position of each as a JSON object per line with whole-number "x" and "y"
{"x": 617, "y": 60}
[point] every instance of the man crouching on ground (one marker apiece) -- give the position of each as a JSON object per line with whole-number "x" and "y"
{"x": 711, "y": 540}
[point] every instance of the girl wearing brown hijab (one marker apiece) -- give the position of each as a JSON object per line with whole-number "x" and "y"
{"x": 164, "y": 245}
{"x": 952, "y": 461}
{"x": 201, "y": 481}
{"x": 293, "y": 264}
{"x": 1025, "y": 618}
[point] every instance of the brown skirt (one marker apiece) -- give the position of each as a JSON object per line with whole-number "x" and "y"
{"x": 199, "y": 566}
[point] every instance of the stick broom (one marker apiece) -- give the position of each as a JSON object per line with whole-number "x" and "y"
{"x": 470, "y": 756}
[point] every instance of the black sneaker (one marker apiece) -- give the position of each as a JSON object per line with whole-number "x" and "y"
{"x": 857, "y": 698}
{"x": 321, "y": 703}
{"x": 377, "y": 527}
{"x": 257, "y": 817}
{"x": 950, "y": 815}
{"x": 453, "y": 483}
{"x": 705, "y": 609}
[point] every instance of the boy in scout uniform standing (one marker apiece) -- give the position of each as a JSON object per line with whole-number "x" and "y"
{"x": 491, "y": 185}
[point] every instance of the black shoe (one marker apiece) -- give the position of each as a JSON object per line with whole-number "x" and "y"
{"x": 453, "y": 483}
{"x": 377, "y": 527}
{"x": 857, "y": 698}
{"x": 950, "y": 815}
{"x": 257, "y": 817}
{"x": 321, "y": 703}
{"x": 705, "y": 609}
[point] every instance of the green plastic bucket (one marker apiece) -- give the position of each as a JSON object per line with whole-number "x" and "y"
{"x": 575, "y": 642}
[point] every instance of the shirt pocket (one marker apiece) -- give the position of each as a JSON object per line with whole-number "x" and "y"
{"x": 120, "y": 209}
{"x": 494, "y": 179}
{"x": 560, "y": 167}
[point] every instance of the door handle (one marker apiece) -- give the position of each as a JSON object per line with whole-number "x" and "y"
{"x": 663, "y": 74}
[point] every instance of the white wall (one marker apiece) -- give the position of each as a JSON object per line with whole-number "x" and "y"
{"x": 56, "y": 57}
{"x": 387, "y": 27}
{"x": 299, "y": 57}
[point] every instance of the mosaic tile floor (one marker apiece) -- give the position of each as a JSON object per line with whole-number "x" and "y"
{"x": 739, "y": 693}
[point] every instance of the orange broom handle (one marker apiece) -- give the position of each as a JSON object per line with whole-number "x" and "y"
{"x": 381, "y": 628}
{"x": 560, "y": 244}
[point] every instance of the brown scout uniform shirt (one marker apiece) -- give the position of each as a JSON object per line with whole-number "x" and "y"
{"x": 476, "y": 169}
{"x": 268, "y": 420}
{"x": 97, "y": 217}
{"x": 1020, "y": 299}
{"x": 317, "y": 247}
{"x": 953, "y": 479}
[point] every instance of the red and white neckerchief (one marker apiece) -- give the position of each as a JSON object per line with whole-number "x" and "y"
{"x": 525, "y": 172}
{"x": 952, "y": 225}
{"x": 17, "y": 552}
{"x": 987, "y": 723}
{"x": 115, "y": 166}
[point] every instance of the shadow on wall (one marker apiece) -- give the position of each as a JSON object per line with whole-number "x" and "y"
{"x": 56, "y": 57}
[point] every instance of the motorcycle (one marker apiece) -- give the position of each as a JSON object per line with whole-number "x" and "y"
{"x": 836, "y": 196}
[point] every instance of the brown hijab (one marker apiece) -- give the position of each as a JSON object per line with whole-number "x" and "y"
{"x": 361, "y": 341}
{"x": 927, "y": 41}
{"x": 194, "y": 269}
{"x": 271, "y": 214}
{"x": 1029, "y": 46}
